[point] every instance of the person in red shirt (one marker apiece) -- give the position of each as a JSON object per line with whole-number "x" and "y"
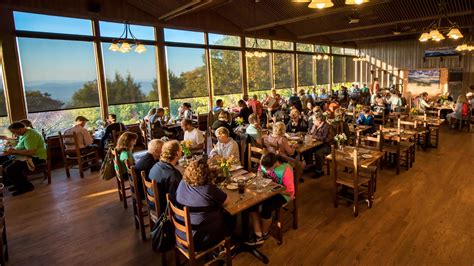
{"x": 256, "y": 106}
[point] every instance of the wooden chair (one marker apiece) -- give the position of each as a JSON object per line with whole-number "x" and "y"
{"x": 152, "y": 200}
{"x": 81, "y": 159}
{"x": 212, "y": 135}
{"x": 411, "y": 143}
{"x": 397, "y": 153}
{"x": 350, "y": 117}
{"x": 350, "y": 180}
{"x": 465, "y": 121}
{"x": 291, "y": 206}
{"x": 253, "y": 157}
{"x": 210, "y": 118}
{"x": 139, "y": 212}
{"x": 120, "y": 173}
{"x": 371, "y": 143}
{"x": 43, "y": 168}
{"x": 186, "y": 246}
{"x": 379, "y": 118}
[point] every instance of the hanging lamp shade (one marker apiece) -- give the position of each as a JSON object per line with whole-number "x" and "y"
{"x": 356, "y": 2}
{"x": 140, "y": 48}
{"x": 455, "y": 33}
{"x": 125, "y": 47}
{"x": 325, "y": 57}
{"x": 424, "y": 37}
{"x": 434, "y": 34}
{"x": 114, "y": 47}
{"x": 301, "y": 1}
{"x": 320, "y": 4}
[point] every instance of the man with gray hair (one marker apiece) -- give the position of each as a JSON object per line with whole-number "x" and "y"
{"x": 226, "y": 146}
{"x": 146, "y": 162}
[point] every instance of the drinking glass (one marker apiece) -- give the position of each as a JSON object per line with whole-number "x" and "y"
{"x": 241, "y": 185}
{"x": 259, "y": 181}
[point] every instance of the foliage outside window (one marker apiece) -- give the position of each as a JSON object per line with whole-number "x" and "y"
{"x": 338, "y": 69}
{"x": 262, "y": 43}
{"x": 281, "y": 45}
{"x": 283, "y": 68}
{"x": 187, "y": 78}
{"x": 350, "y": 70}
{"x": 52, "y": 24}
{"x": 305, "y": 70}
{"x": 322, "y": 49}
{"x": 58, "y": 75}
{"x": 304, "y": 47}
{"x": 337, "y": 50}
{"x": 259, "y": 73}
{"x": 225, "y": 72}
{"x": 131, "y": 83}
{"x": 224, "y": 40}
{"x": 184, "y": 36}
{"x": 322, "y": 72}
{"x": 4, "y": 121}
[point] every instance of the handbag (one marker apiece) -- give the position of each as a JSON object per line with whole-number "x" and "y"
{"x": 107, "y": 170}
{"x": 162, "y": 234}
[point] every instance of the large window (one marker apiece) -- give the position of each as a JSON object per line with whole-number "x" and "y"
{"x": 4, "y": 121}
{"x": 281, "y": 45}
{"x": 58, "y": 75}
{"x": 259, "y": 73}
{"x": 187, "y": 78}
{"x": 322, "y": 49}
{"x": 225, "y": 73}
{"x": 131, "y": 83}
{"x": 338, "y": 69}
{"x": 305, "y": 70}
{"x": 224, "y": 40}
{"x": 54, "y": 24}
{"x": 114, "y": 30}
{"x": 350, "y": 70}
{"x": 283, "y": 70}
{"x": 304, "y": 47}
{"x": 262, "y": 43}
{"x": 322, "y": 72}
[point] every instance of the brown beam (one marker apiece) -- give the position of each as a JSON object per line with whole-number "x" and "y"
{"x": 373, "y": 26}
{"x": 385, "y": 36}
{"x": 243, "y": 66}
{"x": 313, "y": 15}
{"x": 14, "y": 93}
{"x": 162, "y": 73}
{"x": 101, "y": 84}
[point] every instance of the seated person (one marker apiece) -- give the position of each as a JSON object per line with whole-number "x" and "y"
{"x": 352, "y": 105}
{"x": 323, "y": 95}
{"x": 277, "y": 141}
{"x": 219, "y": 107}
{"x": 113, "y": 125}
{"x": 281, "y": 115}
{"x": 394, "y": 102}
{"x": 29, "y": 152}
{"x": 367, "y": 119}
{"x": 296, "y": 124}
{"x": 223, "y": 121}
{"x": 244, "y": 112}
{"x": 124, "y": 148}
{"x": 254, "y": 130}
{"x": 460, "y": 106}
{"x": 272, "y": 102}
{"x": 256, "y": 106}
{"x": 332, "y": 106}
{"x": 379, "y": 106}
{"x": 156, "y": 123}
{"x": 423, "y": 102}
{"x": 276, "y": 168}
{"x": 165, "y": 172}
{"x": 185, "y": 112}
{"x": 316, "y": 111}
{"x": 294, "y": 101}
{"x": 323, "y": 132}
{"x": 27, "y": 123}
{"x": 226, "y": 147}
{"x": 308, "y": 110}
{"x": 84, "y": 139}
{"x": 340, "y": 122}
{"x": 147, "y": 161}
{"x": 210, "y": 223}
{"x": 145, "y": 120}
{"x": 194, "y": 135}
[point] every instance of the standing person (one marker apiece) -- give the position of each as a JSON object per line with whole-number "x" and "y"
{"x": 210, "y": 223}
{"x": 194, "y": 135}
{"x": 124, "y": 150}
{"x": 113, "y": 125}
{"x": 29, "y": 152}
{"x": 321, "y": 131}
{"x": 375, "y": 86}
{"x": 226, "y": 147}
{"x": 272, "y": 102}
{"x": 147, "y": 161}
{"x": 165, "y": 172}
{"x": 256, "y": 106}
{"x": 244, "y": 112}
{"x": 276, "y": 168}
{"x": 84, "y": 139}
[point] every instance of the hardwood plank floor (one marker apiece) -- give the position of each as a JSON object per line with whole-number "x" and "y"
{"x": 421, "y": 217}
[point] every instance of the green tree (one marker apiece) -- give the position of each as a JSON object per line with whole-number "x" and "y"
{"x": 87, "y": 96}
{"x": 3, "y": 104}
{"x": 38, "y": 101}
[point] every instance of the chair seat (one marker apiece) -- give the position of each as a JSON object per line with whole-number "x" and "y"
{"x": 347, "y": 180}
{"x": 393, "y": 148}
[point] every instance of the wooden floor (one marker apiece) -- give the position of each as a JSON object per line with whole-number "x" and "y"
{"x": 421, "y": 217}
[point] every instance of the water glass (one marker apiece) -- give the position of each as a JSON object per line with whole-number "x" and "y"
{"x": 241, "y": 186}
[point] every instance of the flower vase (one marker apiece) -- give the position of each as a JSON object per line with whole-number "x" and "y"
{"x": 340, "y": 147}
{"x": 225, "y": 172}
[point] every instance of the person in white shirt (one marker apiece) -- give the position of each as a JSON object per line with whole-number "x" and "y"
{"x": 193, "y": 134}
{"x": 84, "y": 139}
{"x": 394, "y": 102}
{"x": 423, "y": 102}
{"x": 226, "y": 146}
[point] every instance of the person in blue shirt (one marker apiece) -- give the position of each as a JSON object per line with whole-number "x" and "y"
{"x": 366, "y": 118}
{"x": 219, "y": 106}
{"x": 323, "y": 95}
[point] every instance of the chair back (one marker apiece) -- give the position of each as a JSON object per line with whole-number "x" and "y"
{"x": 254, "y": 156}
{"x": 379, "y": 118}
{"x": 350, "y": 117}
{"x": 67, "y": 142}
{"x": 119, "y": 170}
{"x": 210, "y": 118}
{"x": 212, "y": 135}
{"x": 182, "y": 224}
{"x": 297, "y": 171}
{"x": 345, "y": 164}
{"x": 134, "y": 184}
{"x": 370, "y": 142}
{"x": 202, "y": 121}
{"x": 433, "y": 113}
{"x": 150, "y": 188}
{"x": 406, "y": 124}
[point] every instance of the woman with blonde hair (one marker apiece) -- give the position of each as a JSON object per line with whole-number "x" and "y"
{"x": 277, "y": 141}
{"x": 210, "y": 223}
{"x": 165, "y": 172}
{"x": 461, "y": 108}
{"x": 124, "y": 149}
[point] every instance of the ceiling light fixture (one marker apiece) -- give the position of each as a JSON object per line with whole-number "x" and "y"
{"x": 467, "y": 46}
{"x": 320, "y": 4}
{"x": 433, "y": 31}
{"x": 257, "y": 51}
{"x": 356, "y": 2}
{"x": 121, "y": 44}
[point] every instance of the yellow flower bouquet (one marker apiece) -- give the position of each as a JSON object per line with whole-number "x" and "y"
{"x": 186, "y": 147}
{"x": 225, "y": 165}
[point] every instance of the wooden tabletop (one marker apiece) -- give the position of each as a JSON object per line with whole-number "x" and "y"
{"x": 301, "y": 148}
{"x": 429, "y": 120}
{"x": 364, "y": 162}
{"x": 358, "y": 128}
{"x": 405, "y": 134}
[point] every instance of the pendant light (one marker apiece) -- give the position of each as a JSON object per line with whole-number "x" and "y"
{"x": 320, "y": 4}
{"x": 455, "y": 33}
{"x": 256, "y": 49}
{"x": 433, "y": 31}
{"x": 356, "y": 2}
{"x": 121, "y": 44}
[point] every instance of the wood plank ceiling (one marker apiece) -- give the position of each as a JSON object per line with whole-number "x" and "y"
{"x": 378, "y": 18}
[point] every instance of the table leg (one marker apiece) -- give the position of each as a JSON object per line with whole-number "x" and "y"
{"x": 245, "y": 234}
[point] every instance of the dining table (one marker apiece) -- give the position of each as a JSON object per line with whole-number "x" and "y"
{"x": 404, "y": 134}
{"x": 355, "y": 128}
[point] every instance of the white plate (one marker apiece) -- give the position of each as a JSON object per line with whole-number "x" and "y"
{"x": 232, "y": 186}
{"x": 367, "y": 156}
{"x": 235, "y": 167}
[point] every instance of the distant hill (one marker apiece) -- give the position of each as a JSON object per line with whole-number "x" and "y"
{"x": 64, "y": 91}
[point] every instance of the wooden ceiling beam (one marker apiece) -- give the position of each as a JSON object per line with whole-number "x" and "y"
{"x": 457, "y": 14}
{"x": 386, "y": 36}
{"x": 314, "y": 15}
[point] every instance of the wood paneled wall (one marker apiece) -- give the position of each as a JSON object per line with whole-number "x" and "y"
{"x": 407, "y": 55}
